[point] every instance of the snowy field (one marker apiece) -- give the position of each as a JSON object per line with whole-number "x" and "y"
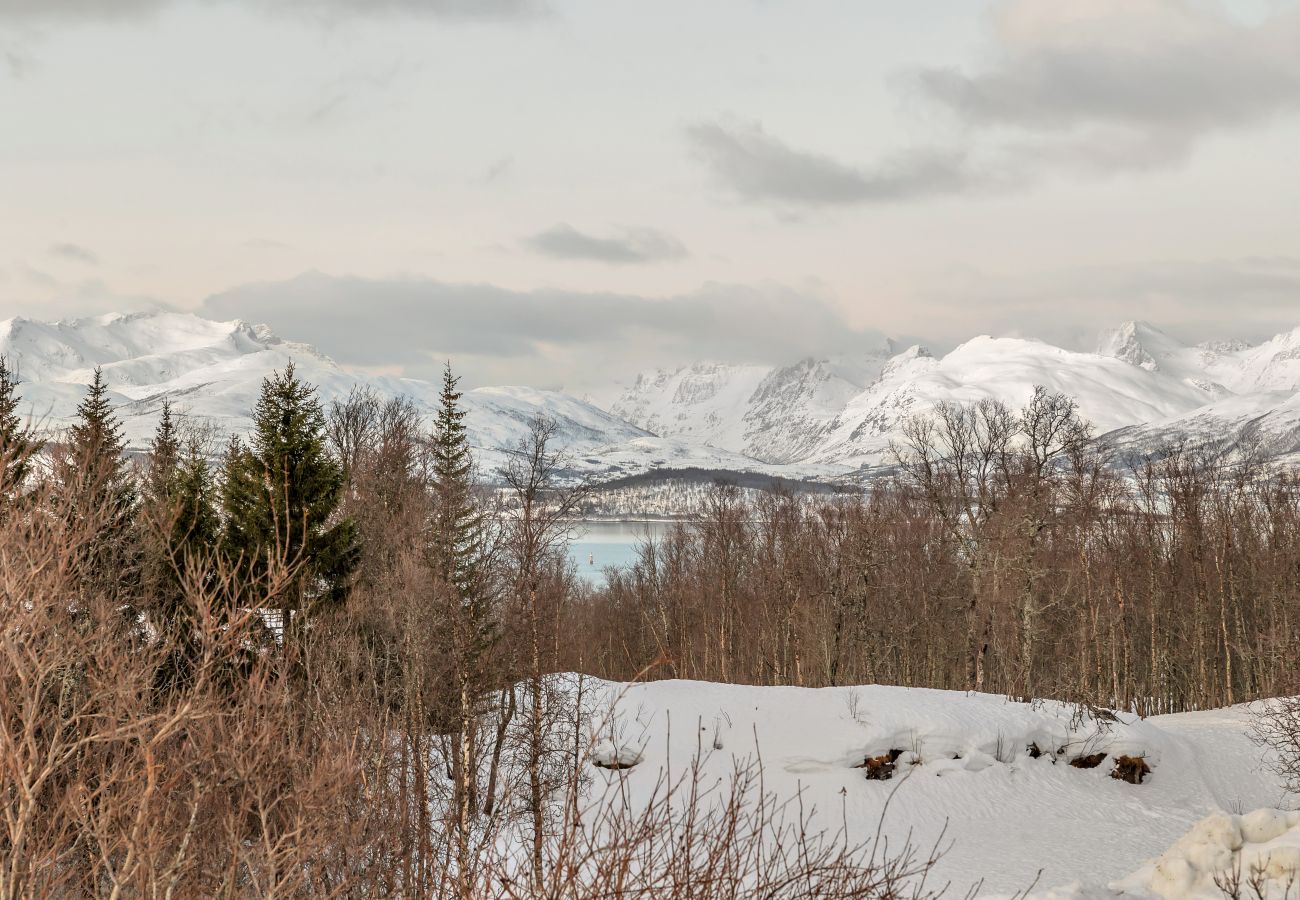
{"x": 991, "y": 779}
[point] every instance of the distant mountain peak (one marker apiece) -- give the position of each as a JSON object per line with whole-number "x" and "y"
{"x": 818, "y": 416}
{"x": 1137, "y": 343}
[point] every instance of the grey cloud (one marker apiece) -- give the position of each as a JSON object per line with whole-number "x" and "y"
{"x": 74, "y": 253}
{"x": 102, "y": 10}
{"x": 1136, "y": 95}
{"x": 758, "y": 167}
{"x": 1226, "y": 73}
{"x": 1072, "y": 86}
{"x": 52, "y": 11}
{"x": 16, "y": 60}
{"x": 543, "y": 336}
{"x": 28, "y": 291}
{"x": 449, "y": 9}
{"x": 262, "y": 243}
{"x": 632, "y": 245}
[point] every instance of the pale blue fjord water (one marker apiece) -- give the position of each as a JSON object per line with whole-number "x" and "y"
{"x": 595, "y": 545}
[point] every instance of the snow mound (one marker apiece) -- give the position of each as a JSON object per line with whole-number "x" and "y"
{"x": 1258, "y": 850}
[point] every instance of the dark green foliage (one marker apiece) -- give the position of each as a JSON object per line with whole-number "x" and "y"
{"x": 280, "y": 499}
{"x": 179, "y": 487}
{"x": 457, "y": 534}
{"x": 461, "y": 596}
{"x": 17, "y": 446}
{"x": 181, "y": 522}
{"x": 95, "y": 471}
{"x": 164, "y": 458}
{"x": 96, "y": 497}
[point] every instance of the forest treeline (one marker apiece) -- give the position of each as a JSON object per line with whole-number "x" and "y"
{"x": 1009, "y": 553}
{"x": 322, "y": 659}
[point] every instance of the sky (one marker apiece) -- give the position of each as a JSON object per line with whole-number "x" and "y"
{"x": 564, "y": 192}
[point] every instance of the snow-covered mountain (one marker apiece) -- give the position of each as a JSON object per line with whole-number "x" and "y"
{"x": 212, "y": 371}
{"x": 776, "y": 414}
{"x": 1141, "y": 385}
{"x": 816, "y": 418}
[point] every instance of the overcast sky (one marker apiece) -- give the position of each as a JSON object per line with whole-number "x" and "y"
{"x": 561, "y": 192}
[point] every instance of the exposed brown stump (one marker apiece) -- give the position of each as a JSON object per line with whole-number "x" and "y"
{"x": 612, "y": 766}
{"x": 1131, "y": 769}
{"x": 881, "y": 768}
{"x": 1091, "y": 761}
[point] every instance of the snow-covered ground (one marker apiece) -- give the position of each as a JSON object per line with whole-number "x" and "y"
{"x": 988, "y": 776}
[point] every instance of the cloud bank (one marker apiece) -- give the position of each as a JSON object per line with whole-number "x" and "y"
{"x": 548, "y": 338}
{"x": 66, "y": 11}
{"x": 632, "y": 245}
{"x": 1069, "y": 87}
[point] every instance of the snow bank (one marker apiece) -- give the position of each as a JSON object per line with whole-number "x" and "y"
{"x": 988, "y": 777}
{"x": 1260, "y": 850}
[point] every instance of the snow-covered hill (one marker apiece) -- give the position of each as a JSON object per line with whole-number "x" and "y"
{"x": 815, "y": 418}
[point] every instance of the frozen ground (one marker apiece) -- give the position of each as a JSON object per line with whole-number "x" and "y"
{"x": 968, "y": 771}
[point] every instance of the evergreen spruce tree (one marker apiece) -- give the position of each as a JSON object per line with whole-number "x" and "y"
{"x": 181, "y": 524}
{"x": 456, "y": 551}
{"x": 197, "y": 525}
{"x": 457, "y": 527}
{"x": 164, "y": 458}
{"x": 17, "y": 446}
{"x": 280, "y": 500}
{"x": 95, "y": 494}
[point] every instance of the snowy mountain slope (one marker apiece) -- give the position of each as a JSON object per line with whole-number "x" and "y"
{"x": 991, "y": 775}
{"x": 776, "y": 414}
{"x": 212, "y": 372}
{"x": 1256, "y": 390}
{"x": 704, "y": 402}
{"x": 1219, "y": 367}
{"x": 1142, "y": 387}
{"x": 1111, "y": 393}
{"x": 814, "y": 418}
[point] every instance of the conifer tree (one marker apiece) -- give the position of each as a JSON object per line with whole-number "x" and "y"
{"x": 96, "y": 496}
{"x": 280, "y": 499}
{"x": 198, "y": 525}
{"x": 181, "y": 520}
{"x": 457, "y": 551}
{"x": 180, "y": 530}
{"x": 164, "y": 457}
{"x": 17, "y": 446}
{"x": 457, "y": 528}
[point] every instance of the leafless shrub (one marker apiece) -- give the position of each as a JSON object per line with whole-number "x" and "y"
{"x": 1276, "y": 728}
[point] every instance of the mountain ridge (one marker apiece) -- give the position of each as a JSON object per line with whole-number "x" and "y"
{"x": 816, "y": 418}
